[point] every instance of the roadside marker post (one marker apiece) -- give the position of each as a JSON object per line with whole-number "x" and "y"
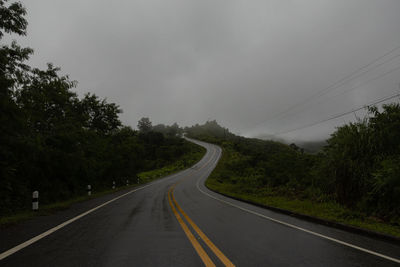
{"x": 113, "y": 187}
{"x": 127, "y": 182}
{"x": 89, "y": 190}
{"x": 35, "y": 200}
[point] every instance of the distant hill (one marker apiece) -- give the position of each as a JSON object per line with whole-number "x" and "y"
{"x": 311, "y": 146}
{"x": 308, "y": 146}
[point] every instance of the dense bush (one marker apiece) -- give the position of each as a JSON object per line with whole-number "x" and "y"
{"x": 360, "y": 163}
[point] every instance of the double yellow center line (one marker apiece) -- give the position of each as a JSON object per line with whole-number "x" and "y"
{"x": 199, "y": 249}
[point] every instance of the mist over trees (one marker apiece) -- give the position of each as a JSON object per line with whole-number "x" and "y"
{"x": 359, "y": 167}
{"x": 55, "y": 142}
{"x": 210, "y": 130}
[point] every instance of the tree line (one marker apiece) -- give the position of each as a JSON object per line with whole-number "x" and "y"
{"x": 359, "y": 167}
{"x": 55, "y": 142}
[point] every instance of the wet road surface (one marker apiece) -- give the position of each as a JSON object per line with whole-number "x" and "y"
{"x": 177, "y": 221}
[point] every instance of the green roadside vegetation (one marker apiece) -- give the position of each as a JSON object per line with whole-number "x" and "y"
{"x": 194, "y": 154}
{"x": 354, "y": 180}
{"x": 279, "y": 198}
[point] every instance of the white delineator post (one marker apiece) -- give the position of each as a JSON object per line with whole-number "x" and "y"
{"x": 113, "y": 187}
{"x": 35, "y": 200}
{"x": 89, "y": 190}
{"x": 127, "y": 182}
{"x": 138, "y": 181}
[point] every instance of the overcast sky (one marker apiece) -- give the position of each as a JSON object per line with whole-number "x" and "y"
{"x": 242, "y": 63}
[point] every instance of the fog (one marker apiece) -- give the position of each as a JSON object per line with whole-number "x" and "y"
{"x": 242, "y": 63}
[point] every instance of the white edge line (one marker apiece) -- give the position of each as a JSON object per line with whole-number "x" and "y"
{"x": 11, "y": 251}
{"x": 296, "y": 227}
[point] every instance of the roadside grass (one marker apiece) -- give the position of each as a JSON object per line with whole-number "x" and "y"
{"x": 145, "y": 177}
{"x": 325, "y": 210}
{"x": 181, "y": 164}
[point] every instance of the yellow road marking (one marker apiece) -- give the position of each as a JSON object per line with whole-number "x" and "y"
{"x": 199, "y": 249}
{"x": 206, "y": 240}
{"x": 203, "y": 255}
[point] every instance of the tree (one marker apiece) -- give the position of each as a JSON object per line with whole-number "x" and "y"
{"x": 144, "y": 125}
{"x": 101, "y": 116}
{"x": 12, "y": 18}
{"x": 160, "y": 128}
{"x": 12, "y": 128}
{"x": 359, "y": 160}
{"x": 173, "y": 130}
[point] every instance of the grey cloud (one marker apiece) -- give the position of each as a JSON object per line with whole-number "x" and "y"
{"x": 240, "y": 62}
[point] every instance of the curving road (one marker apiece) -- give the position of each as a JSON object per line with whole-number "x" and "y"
{"x": 177, "y": 221}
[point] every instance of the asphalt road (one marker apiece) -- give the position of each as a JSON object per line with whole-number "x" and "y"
{"x": 177, "y": 221}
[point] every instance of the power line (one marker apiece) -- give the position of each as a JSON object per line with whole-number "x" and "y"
{"x": 380, "y": 100}
{"x": 370, "y": 80}
{"x": 365, "y": 83}
{"x": 339, "y": 83}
